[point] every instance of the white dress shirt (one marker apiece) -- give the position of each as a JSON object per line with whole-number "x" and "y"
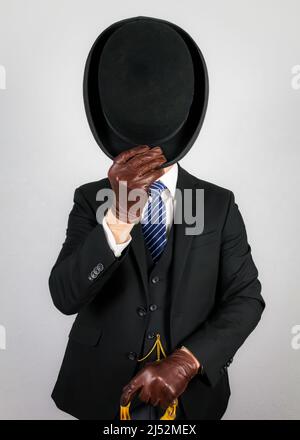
{"x": 169, "y": 179}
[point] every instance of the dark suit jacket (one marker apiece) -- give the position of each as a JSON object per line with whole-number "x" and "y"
{"x": 216, "y": 303}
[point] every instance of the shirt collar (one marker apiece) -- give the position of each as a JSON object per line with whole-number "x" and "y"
{"x": 170, "y": 179}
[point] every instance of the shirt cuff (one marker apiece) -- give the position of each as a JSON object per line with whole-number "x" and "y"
{"x": 117, "y": 248}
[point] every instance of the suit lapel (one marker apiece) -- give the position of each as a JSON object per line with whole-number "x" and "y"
{"x": 138, "y": 248}
{"x": 182, "y": 242}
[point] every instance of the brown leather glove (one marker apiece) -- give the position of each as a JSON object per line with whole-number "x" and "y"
{"x": 160, "y": 382}
{"x": 138, "y": 167}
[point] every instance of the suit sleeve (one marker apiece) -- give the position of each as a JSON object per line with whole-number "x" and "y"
{"x": 239, "y": 306}
{"x": 85, "y": 261}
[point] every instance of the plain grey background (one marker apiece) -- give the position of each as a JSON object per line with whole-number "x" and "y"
{"x": 249, "y": 143}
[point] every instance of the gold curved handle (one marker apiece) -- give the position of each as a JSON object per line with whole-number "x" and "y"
{"x": 169, "y": 414}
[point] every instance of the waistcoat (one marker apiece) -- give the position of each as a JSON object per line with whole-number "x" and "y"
{"x": 158, "y": 318}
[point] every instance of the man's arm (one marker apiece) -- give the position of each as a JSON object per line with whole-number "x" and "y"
{"x": 85, "y": 261}
{"x": 239, "y": 305}
{"x": 87, "y": 258}
{"x": 237, "y": 311}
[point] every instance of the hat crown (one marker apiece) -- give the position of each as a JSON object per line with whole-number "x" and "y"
{"x": 146, "y": 82}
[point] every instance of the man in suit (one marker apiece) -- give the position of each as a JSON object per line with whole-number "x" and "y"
{"x": 160, "y": 312}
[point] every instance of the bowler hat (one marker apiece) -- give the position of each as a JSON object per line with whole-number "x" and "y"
{"x": 145, "y": 82}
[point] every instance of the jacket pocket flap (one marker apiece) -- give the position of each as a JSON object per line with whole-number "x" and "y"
{"x": 85, "y": 334}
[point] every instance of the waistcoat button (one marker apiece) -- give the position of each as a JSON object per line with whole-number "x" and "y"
{"x": 153, "y": 307}
{"x": 155, "y": 280}
{"x": 132, "y": 355}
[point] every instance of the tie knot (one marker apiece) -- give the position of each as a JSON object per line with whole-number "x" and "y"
{"x": 156, "y": 188}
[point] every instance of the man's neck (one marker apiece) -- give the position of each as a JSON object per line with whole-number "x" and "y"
{"x": 167, "y": 168}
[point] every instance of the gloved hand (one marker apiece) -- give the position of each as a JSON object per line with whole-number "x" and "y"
{"x": 161, "y": 382}
{"x": 138, "y": 167}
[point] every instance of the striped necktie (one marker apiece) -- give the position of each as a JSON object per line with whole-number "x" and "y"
{"x": 154, "y": 221}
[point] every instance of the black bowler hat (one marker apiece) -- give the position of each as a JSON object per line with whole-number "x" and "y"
{"x": 145, "y": 82}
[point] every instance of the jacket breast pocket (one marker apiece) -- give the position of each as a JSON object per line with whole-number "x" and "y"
{"x": 85, "y": 335}
{"x": 205, "y": 239}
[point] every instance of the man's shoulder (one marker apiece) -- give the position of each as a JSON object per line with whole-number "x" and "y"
{"x": 217, "y": 200}
{"x": 89, "y": 189}
{"x": 86, "y": 193}
{"x": 209, "y": 187}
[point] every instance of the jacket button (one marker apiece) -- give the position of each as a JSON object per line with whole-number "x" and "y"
{"x": 141, "y": 311}
{"x": 155, "y": 280}
{"x": 132, "y": 355}
{"x": 153, "y": 307}
{"x": 151, "y": 335}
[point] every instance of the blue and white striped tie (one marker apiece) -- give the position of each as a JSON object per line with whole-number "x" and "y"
{"x": 154, "y": 221}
